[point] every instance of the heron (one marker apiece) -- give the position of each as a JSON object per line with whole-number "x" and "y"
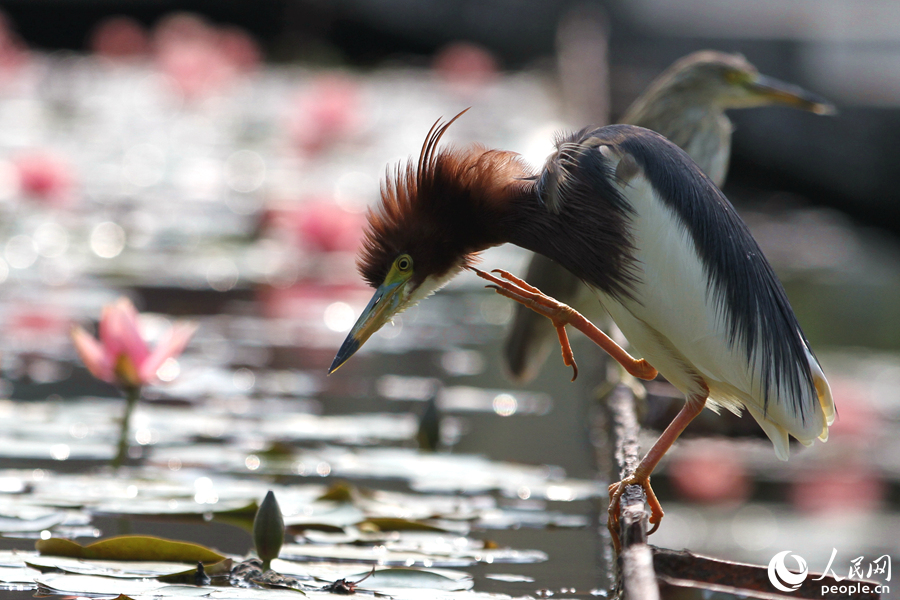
{"x": 687, "y": 104}
{"x": 629, "y": 213}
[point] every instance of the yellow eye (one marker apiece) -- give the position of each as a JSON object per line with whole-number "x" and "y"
{"x": 404, "y": 263}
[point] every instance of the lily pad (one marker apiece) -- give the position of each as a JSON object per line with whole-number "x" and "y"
{"x": 12, "y": 525}
{"x": 509, "y": 577}
{"x": 18, "y": 575}
{"x": 395, "y": 577}
{"x": 219, "y": 569}
{"x": 342, "y": 491}
{"x": 132, "y": 548}
{"x": 432, "y": 551}
{"x": 128, "y": 569}
{"x": 423, "y": 579}
{"x": 94, "y": 585}
{"x": 393, "y": 524}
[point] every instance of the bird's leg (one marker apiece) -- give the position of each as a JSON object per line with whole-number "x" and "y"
{"x": 561, "y": 315}
{"x": 641, "y": 476}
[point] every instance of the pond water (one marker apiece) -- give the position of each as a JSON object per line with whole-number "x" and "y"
{"x": 207, "y": 209}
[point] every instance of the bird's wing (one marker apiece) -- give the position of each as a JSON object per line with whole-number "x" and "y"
{"x": 705, "y": 300}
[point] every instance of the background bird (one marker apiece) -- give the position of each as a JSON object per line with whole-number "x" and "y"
{"x": 686, "y": 104}
{"x": 632, "y": 215}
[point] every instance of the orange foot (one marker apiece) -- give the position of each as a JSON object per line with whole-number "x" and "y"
{"x": 561, "y": 315}
{"x": 615, "y": 495}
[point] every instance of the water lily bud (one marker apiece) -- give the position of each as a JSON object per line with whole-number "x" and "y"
{"x": 268, "y": 530}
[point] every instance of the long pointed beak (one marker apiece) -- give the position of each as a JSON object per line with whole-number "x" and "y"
{"x": 779, "y": 92}
{"x": 379, "y": 311}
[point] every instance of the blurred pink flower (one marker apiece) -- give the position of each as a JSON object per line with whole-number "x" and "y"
{"x": 465, "y": 67}
{"x": 46, "y": 176}
{"x": 121, "y": 356}
{"x": 120, "y": 38}
{"x": 710, "y": 472}
{"x": 200, "y": 58}
{"x": 317, "y": 226}
{"x": 14, "y": 54}
{"x": 328, "y": 111}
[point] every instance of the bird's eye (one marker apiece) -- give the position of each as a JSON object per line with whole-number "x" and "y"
{"x": 734, "y": 77}
{"x": 404, "y": 263}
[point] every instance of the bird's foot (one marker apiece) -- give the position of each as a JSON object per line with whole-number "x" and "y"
{"x": 559, "y": 314}
{"x": 615, "y": 496}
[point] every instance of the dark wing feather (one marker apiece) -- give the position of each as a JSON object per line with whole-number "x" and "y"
{"x": 744, "y": 285}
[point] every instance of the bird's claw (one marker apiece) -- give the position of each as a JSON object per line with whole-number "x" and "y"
{"x": 561, "y": 315}
{"x": 516, "y": 289}
{"x": 615, "y": 496}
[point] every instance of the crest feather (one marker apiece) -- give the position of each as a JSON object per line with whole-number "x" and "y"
{"x": 440, "y": 209}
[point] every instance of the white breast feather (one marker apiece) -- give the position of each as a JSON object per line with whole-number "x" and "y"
{"x": 674, "y": 323}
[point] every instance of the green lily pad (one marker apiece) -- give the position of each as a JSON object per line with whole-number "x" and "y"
{"x": 341, "y": 491}
{"x": 131, "y": 547}
{"x": 391, "y": 524}
{"x": 164, "y": 571}
{"x": 303, "y": 527}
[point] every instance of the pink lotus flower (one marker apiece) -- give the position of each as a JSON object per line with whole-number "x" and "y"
{"x": 46, "y": 176}
{"x": 121, "y": 355}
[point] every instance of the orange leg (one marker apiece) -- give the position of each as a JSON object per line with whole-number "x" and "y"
{"x": 641, "y": 476}
{"x": 562, "y": 315}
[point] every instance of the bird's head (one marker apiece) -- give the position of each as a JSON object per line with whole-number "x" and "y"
{"x": 435, "y": 215}
{"x": 730, "y": 81}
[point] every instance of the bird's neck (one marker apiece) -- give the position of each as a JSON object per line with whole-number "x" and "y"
{"x": 588, "y": 235}
{"x": 492, "y": 200}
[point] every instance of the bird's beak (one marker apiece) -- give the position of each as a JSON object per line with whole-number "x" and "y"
{"x": 384, "y": 304}
{"x": 773, "y": 91}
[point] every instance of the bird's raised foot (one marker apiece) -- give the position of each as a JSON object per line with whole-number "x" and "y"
{"x": 561, "y": 315}
{"x": 615, "y": 496}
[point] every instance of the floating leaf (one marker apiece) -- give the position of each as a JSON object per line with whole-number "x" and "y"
{"x": 18, "y": 575}
{"x": 430, "y": 550}
{"x": 219, "y": 569}
{"x": 17, "y": 525}
{"x": 106, "y": 568}
{"x": 131, "y": 547}
{"x": 326, "y": 513}
{"x": 94, "y": 585}
{"x": 341, "y": 491}
{"x": 323, "y": 527}
{"x": 430, "y": 579}
{"x": 509, "y": 577}
{"x": 378, "y": 554}
{"x": 391, "y": 524}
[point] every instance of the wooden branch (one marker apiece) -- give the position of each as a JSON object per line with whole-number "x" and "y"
{"x": 637, "y": 577}
{"x": 689, "y": 570}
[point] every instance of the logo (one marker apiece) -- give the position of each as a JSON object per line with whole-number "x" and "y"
{"x": 783, "y": 579}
